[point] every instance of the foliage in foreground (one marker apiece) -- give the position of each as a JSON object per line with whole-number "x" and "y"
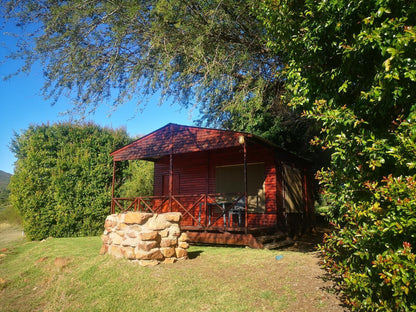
{"x": 62, "y": 180}
{"x": 352, "y": 68}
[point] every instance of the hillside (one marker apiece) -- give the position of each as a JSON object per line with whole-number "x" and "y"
{"x": 4, "y": 182}
{"x": 4, "y": 179}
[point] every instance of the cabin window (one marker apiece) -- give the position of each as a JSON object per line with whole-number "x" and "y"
{"x": 293, "y": 195}
{"x": 230, "y": 179}
{"x": 165, "y": 185}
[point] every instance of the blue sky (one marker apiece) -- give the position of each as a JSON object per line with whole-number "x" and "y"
{"x": 21, "y": 105}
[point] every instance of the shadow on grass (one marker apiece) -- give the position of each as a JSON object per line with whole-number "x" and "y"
{"x": 309, "y": 241}
{"x": 194, "y": 254}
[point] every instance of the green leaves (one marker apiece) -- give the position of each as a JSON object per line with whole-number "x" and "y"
{"x": 62, "y": 180}
{"x": 204, "y": 54}
{"x": 351, "y": 67}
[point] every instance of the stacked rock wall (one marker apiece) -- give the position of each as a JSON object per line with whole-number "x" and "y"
{"x": 145, "y": 237}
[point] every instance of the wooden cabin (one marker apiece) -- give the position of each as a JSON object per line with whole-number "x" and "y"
{"x": 229, "y": 186}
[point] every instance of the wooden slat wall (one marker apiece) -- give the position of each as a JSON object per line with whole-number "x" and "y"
{"x": 197, "y": 175}
{"x": 192, "y": 169}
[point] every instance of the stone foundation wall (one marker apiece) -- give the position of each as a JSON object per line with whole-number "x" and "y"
{"x": 145, "y": 237}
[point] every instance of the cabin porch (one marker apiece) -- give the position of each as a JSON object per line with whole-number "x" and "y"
{"x": 207, "y": 218}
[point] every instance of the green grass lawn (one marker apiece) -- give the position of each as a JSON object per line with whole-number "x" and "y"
{"x": 68, "y": 274}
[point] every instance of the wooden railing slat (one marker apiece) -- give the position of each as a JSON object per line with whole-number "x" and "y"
{"x": 147, "y": 203}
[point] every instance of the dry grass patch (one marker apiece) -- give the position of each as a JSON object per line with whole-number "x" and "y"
{"x": 10, "y": 233}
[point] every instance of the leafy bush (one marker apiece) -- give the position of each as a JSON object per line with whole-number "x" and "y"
{"x": 139, "y": 179}
{"x": 62, "y": 180}
{"x": 372, "y": 248}
{"x": 351, "y": 66}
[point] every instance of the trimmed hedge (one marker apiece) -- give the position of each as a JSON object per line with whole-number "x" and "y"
{"x": 62, "y": 180}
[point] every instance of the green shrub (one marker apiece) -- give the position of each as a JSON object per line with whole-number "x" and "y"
{"x": 62, "y": 180}
{"x": 139, "y": 179}
{"x": 351, "y": 66}
{"x": 372, "y": 249}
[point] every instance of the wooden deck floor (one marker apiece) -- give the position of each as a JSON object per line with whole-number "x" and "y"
{"x": 238, "y": 236}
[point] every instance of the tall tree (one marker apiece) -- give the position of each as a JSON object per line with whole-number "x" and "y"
{"x": 210, "y": 50}
{"x": 352, "y": 67}
{"x": 62, "y": 180}
{"x": 205, "y": 54}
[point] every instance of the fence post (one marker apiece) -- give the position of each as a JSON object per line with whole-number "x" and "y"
{"x": 113, "y": 186}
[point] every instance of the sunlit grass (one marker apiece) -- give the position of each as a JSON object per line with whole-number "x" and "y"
{"x": 68, "y": 274}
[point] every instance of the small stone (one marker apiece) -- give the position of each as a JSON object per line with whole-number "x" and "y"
{"x": 170, "y": 260}
{"x": 168, "y": 252}
{"x": 183, "y": 238}
{"x": 120, "y": 233}
{"x": 183, "y": 245}
{"x": 181, "y": 253}
{"x": 132, "y": 234}
{"x": 115, "y": 238}
{"x": 104, "y": 249}
{"x": 154, "y": 254}
{"x": 105, "y": 239}
{"x": 136, "y": 217}
{"x": 147, "y": 245}
{"x": 109, "y": 224}
{"x": 127, "y": 241}
{"x": 168, "y": 242}
{"x": 174, "y": 230}
{"x": 172, "y": 216}
{"x": 146, "y": 236}
{"x": 135, "y": 227}
{"x": 121, "y": 227}
{"x": 164, "y": 233}
{"x": 120, "y": 217}
{"x": 157, "y": 223}
{"x": 115, "y": 251}
{"x": 128, "y": 252}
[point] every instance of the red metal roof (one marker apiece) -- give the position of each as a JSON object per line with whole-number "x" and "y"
{"x": 178, "y": 139}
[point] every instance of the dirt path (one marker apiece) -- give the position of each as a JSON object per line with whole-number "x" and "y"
{"x": 314, "y": 291}
{"x": 9, "y": 233}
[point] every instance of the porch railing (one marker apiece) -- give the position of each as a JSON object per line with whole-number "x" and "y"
{"x": 204, "y": 211}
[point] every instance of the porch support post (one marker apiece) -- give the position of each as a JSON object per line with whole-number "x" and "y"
{"x": 170, "y": 181}
{"x": 171, "y": 169}
{"x": 245, "y": 186}
{"x": 113, "y": 186}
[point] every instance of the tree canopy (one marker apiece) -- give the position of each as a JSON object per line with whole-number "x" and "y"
{"x": 351, "y": 66}
{"x": 210, "y": 50}
{"x": 205, "y": 55}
